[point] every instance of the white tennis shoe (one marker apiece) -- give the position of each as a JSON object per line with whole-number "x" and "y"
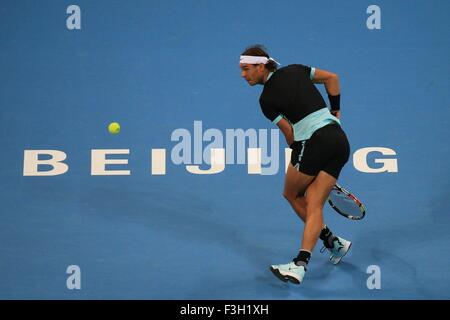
{"x": 339, "y": 249}
{"x": 289, "y": 272}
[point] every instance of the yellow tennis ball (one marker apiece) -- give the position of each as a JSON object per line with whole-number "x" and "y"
{"x": 114, "y": 128}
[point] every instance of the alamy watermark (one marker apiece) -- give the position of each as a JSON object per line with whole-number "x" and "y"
{"x": 373, "y": 22}
{"x": 74, "y": 279}
{"x": 374, "y": 280}
{"x": 236, "y": 146}
{"x": 73, "y": 21}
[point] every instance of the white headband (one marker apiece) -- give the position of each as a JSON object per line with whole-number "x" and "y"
{"x": 255, "y": 60}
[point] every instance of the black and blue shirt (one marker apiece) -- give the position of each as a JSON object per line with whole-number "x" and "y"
{"x": 291, "y": 94}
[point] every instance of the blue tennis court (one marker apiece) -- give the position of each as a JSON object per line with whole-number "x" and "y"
{"x": 156, "y": 229}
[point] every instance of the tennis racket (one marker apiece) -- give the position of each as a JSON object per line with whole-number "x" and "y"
{"x": 346, "y": 204}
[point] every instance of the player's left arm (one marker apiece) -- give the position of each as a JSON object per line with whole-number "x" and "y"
{"x": 331, "y": 82}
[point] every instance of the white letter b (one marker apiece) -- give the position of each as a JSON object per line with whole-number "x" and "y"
{"x": 31, "y": 163}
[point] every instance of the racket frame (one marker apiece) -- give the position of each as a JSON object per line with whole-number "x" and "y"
{"x": 348, "y": 194}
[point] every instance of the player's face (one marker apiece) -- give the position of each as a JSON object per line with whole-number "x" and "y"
{"x": 254, "y": 74}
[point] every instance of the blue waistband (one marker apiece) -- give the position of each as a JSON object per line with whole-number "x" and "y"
{"x": 304, "y": 129}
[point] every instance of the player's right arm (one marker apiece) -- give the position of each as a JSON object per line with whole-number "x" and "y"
{"x": 287, "y": 130}
{"x": 271, "y": 113}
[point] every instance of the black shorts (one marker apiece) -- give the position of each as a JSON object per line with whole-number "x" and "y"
{"x": 327, "y": 150}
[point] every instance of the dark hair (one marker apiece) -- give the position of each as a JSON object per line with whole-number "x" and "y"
{"x": 260, "y": 51}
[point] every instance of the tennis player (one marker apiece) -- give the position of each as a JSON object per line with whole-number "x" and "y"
{"x": 319, "y": 146}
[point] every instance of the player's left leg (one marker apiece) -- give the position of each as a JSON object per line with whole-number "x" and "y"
{"x": 316, "y": 195}
{"x": 296, "y": 183}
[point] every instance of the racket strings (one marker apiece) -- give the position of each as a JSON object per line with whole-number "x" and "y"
{"x": 345, "y": 203}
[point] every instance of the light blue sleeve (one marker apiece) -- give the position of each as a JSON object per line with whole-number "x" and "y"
{"x": 277, "y": 119}
{"x": 313, "y": 72}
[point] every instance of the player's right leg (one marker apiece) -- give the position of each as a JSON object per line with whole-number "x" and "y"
{"x": 295, "y": 184}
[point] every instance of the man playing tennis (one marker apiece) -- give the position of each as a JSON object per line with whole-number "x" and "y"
{"x": 319, "y": 146}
